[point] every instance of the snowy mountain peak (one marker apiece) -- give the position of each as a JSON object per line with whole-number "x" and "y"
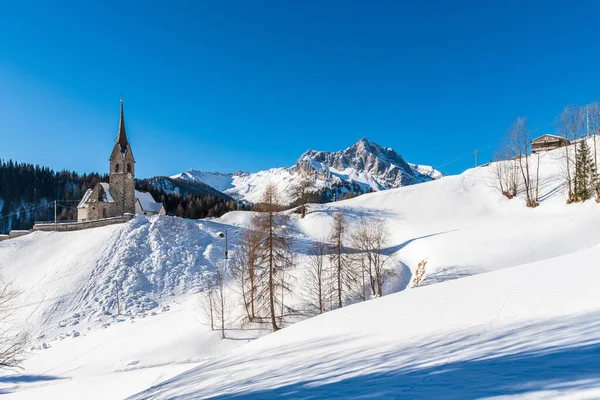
{"x": 360, "y": 168}
{"x": 365, "y": 162}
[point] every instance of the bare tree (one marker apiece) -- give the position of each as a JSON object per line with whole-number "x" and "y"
{"x": 220, "y": 297}
{"x": 340, "y": 261}
{"x": 207, "y": 299}
{"x": 212, "y": 300}
{"x": 302, "y": 192}
{"x": 245, "y": 267}
{"x": 569, "y": 125}
{"x": 520, "y": 142}
{"x": 506, "y": 171}
{"x": 275, "y": 247}
{"x": 593, "y": 128}
{"x": 318, "y": 278}
{"x": 420, "y": 273}
{"x": 371, "y": 238}
{"x": 12, "y": 342}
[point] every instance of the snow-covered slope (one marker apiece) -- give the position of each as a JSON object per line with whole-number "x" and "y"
{"x": 530, "y": 332}
{"x": 460, "y": 224}
{"x": 360, "y": 168}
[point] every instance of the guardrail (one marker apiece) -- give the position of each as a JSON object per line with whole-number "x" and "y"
{"x": 52, "y": 222}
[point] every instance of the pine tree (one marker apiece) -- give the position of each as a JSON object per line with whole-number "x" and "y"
{"x": 583, "y": 172}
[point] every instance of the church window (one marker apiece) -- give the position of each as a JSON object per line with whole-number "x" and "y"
{"x": 129, "y": 167}
{"x": 116, "y": 167}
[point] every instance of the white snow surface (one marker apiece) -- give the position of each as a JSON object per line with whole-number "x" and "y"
{"x": 516, "y": 333}
{"x": 522, "y": 322}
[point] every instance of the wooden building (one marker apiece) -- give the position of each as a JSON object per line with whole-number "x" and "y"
{"x": 548, "y": 142}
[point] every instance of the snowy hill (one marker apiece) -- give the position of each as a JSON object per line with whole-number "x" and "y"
{"x": 532, "y": 302}
{"x": 360, "y": 168}
{"x": 521, "y": 332}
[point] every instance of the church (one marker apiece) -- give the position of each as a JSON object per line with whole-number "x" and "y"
{"x": 118, "y": 197}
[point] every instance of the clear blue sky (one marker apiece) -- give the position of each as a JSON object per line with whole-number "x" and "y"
{"x": 227, "y": 85}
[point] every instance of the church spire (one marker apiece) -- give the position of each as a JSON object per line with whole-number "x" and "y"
{"x": 122, "y": 135}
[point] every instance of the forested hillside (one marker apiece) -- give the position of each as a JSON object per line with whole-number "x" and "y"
{"x": 28, "y": 192}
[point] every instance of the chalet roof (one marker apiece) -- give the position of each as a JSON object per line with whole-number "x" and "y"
{"x": 122, "y": 134}
{"x": 147, "y": 202}
{"x": 548, "y": 135}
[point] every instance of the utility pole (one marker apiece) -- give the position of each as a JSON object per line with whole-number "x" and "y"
{"x": 476, "y": 158}
{"x": 118, "y": 305}
{"x": 54, "y": 215}
{"x": 587, "y": 120}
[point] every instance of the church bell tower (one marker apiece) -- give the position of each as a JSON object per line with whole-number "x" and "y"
{"x": 122, "y": 172}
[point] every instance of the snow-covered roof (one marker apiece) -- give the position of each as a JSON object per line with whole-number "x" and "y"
{"x": 147, "y": 202}
{"x": 85, "y": 198}
{"x": 548, "y": 135}
{"x": 107, "y": 197}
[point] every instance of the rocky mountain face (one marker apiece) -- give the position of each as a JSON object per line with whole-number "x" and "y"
{"x": 364, "y": 162}
{"x": 362, "y": 167}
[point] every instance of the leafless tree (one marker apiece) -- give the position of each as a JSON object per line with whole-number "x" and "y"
{"x": 420, "y": 273}
{"x": 520, "y": 142}
{"x": 276, "y": 256}
{"x": 372, "y": 239}
{"x": 245, "y": 264}
{"x": 302, "y": 192}
{"x": 339, "y": 258}
{"x": 506, "y": 171}
{"x": 570, "y": 124}
{"x": 220, "y": 296}
{"x": 12, "y": 341}
{"x": 593, "y": 127}
{"x": 318, "y": 278}
{"x": 207, "y": 299}
{"x": 213, "y": 299}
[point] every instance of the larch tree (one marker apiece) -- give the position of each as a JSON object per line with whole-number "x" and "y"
{"x": 276, "y": 253}
{"x": 245, "y": 267}
{"x": 342, "y": 267}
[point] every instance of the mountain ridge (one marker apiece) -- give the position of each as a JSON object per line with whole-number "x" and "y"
{"x": 365, "y": 166}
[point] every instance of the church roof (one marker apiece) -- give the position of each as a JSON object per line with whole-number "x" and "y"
{"x": 85, "y": 198}
{"x": 122, "y": 135}
{"x": 105, "y": 197}
{"x": 147, "y": 202}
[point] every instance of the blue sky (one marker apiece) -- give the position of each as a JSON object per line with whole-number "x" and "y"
{"x": 228, "y": 85}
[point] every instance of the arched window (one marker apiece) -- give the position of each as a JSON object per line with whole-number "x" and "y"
{"x": 129, "y": 167}
{"x": 116, "y": 167}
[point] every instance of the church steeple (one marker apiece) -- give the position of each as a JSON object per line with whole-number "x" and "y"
{"x": 122, "y": 135}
